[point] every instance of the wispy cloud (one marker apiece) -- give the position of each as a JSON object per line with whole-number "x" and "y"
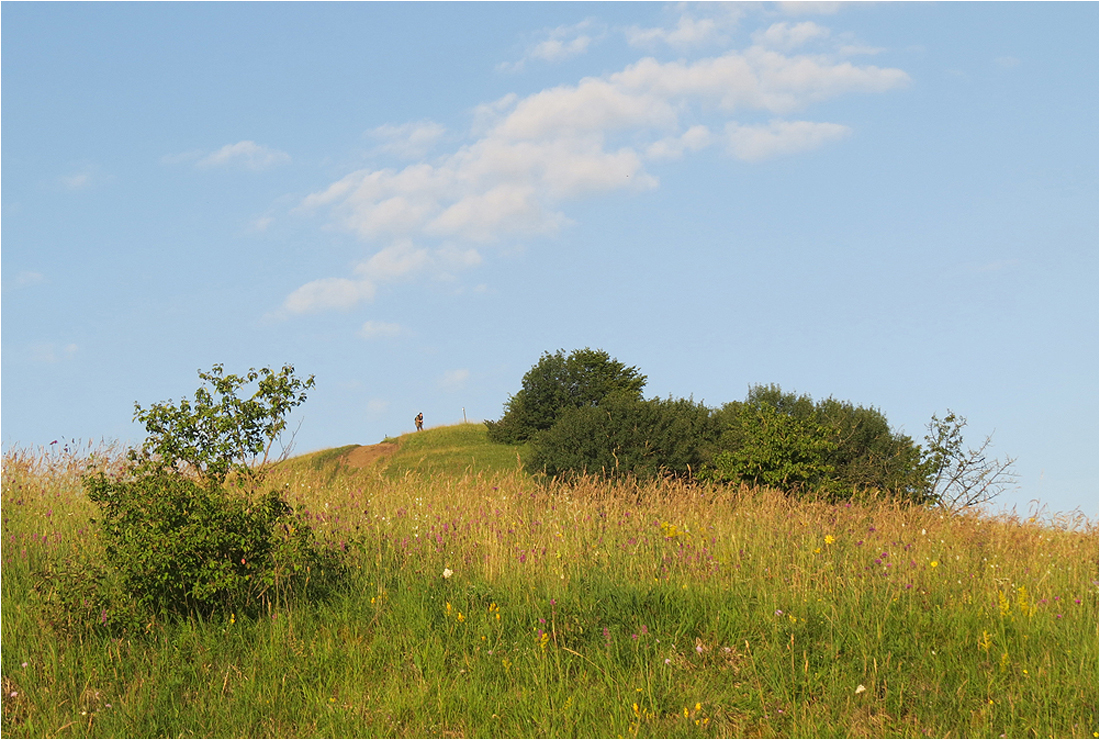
{"x": 809, "y": 8}
{"x": 402, "y": 260}
{"x": 558, "y": 44}
{"x": 49, "y": 353}
{"x": 81, "y": 177}
{"x": 755, "y": 143}
{"x": 379, "y": 330}
{"x": 703, "y": 26}
{"x": 377, "y": 407}
{"x": 28, "y": 278}
{"x": 247, "y": 154}
{"x": 786, "y": 37}
{"x": 454, "y": 380}
{"x": 409, "y": 140}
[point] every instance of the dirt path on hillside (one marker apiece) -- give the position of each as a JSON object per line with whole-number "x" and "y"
{"x": 365, "y": 455}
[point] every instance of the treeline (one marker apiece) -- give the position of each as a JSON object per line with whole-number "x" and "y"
{"x": 584, "y": 413}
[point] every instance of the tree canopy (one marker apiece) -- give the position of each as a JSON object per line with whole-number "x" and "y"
{"x": 558, "y": 382}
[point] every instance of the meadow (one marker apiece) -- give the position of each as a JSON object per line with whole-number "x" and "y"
{"x": 486, "y": 603}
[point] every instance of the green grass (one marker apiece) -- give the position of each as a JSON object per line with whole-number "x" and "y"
{"x": 593, "y": 610}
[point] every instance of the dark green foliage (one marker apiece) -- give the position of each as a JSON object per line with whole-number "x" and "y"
{"x": 79, "y": 595}
{"x": 625, "y": 435}
{"x": 184, "y": 547}
{"x": 869, "y": 455}
{"x": 558, "y": 382}
{"x": 584, "y": 413}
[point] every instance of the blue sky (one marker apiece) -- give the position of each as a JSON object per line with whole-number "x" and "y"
{"x": 893, "y": 204}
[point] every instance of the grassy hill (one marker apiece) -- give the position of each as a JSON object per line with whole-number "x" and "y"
{"x": 457, "y": 450}
{"x": 484, "y": 603}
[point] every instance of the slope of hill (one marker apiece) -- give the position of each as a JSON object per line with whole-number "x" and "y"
{"x": 481, "y": 603}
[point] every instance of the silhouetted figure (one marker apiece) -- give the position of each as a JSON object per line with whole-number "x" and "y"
{"x": 419, "y": 422}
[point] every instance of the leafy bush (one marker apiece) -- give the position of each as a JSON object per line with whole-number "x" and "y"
{"x": 180, "y": 538}
{"x": 786, "y": 441}
{"x": 558, "y": 382}
{"x": 181, "y": 546}
{"x": 765, "y": 446}
{"x": 625, "y": 436}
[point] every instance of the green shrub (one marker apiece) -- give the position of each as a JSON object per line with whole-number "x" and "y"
{"x": 767, "y": 447}
{"x": 786, "y": 441}
{"x": 180, "y": 537}
{"x": 625, "y": 436}
{"x": 556, "y": 383}
{"x": 183, "y": 547}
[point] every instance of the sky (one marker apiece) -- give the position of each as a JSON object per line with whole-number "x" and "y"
{"x": 893, "y": 204}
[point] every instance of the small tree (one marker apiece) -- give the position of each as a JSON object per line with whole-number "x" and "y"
{"x": 218, "y": 432}
{"x": 558, "y": 382}
{"x": 958, "y": 476}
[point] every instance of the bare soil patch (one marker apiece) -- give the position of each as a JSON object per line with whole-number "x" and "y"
{"x": 365, "y": 455}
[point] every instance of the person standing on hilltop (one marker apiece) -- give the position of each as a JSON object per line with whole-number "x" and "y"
{"x": 419, "y": 422}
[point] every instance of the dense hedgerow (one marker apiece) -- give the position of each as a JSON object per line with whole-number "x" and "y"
{"x": 585, "y": 414}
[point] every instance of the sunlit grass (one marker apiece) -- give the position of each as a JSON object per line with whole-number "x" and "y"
{"x": 487, "y": 604}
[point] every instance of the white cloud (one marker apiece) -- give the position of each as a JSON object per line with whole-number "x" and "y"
{"x": 77, "y": 181}
{"x": 379, "y": 329}
{"x": 327, "y": 294}
{"x": 563, "y": 42}
{"x": 409, "y": 140}
{"x": 395, "y": 261}
{"x": 82, "y": 176}
{"x": 673, "y": 147}
{"x": 851, "y": 50}
{"x": 527, "y": 157}
{"x": 401, "y": 260}
{"x": 246, "y": 154}
{"x": 376, "y": 407}
{"x": 755, "y": 143}
{"x": 454, "y": 380}
{"x": 785, "y": 37}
